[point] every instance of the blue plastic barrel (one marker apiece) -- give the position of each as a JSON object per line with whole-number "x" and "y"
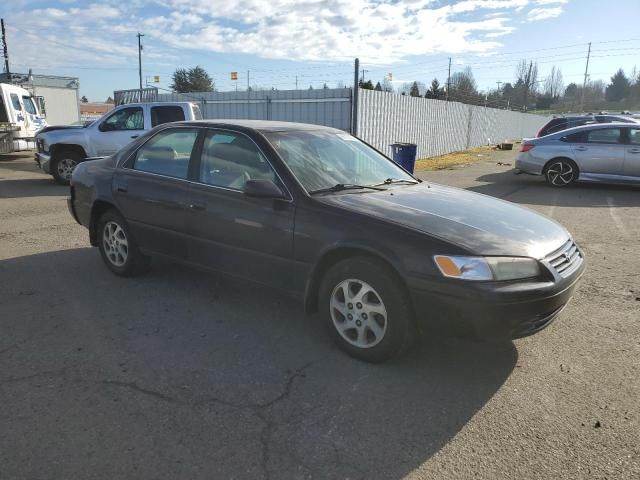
{"x": 404, "y": 154}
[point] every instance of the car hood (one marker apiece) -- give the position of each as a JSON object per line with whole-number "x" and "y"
{"x": 481, "y": 224}
{"x": 51, "y": 128}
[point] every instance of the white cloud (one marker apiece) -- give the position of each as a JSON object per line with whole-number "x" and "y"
{"x": 377, "y": 31}
{"x": 543, "y": 13}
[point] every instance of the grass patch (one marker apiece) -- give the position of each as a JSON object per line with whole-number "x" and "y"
{"x": 456, "y": 158}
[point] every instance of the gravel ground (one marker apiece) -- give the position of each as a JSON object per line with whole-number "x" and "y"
{"x": 184, "y": 374}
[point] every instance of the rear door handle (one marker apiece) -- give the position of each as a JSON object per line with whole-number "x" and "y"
{"x": 634, "y": 150}
{"x": 198, "y": 206}
{"x": 135, "y": 136}
{"x": 121, "y": 187}
{"x": 581, "y": 149}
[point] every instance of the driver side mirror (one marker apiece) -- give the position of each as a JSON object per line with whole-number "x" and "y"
{"x": 105, "y": 127}
{"x": 262, "y": 188}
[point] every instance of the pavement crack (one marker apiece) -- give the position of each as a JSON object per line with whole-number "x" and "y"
{"x": 26, "y": 378}
{"x": 145, "y": 391}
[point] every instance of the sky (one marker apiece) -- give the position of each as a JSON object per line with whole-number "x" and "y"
{"x": 316, "y": 41}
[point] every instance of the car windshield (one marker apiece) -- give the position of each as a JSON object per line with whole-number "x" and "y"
{"x": 323, "y": 159}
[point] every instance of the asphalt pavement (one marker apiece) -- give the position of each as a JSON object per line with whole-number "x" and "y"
{"x": 184, "y": 374}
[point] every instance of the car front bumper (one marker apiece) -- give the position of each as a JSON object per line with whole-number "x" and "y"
{"x": 44, "y": 161}
{"x": 493, "y": 310}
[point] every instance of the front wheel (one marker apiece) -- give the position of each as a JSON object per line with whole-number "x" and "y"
{"x": 62, "y": 166}
{"x": 118, "y": 248}
{"x": 367, "y": 310}
{"x": 561, "y": 172}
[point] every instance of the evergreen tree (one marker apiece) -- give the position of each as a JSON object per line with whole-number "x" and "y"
{"x": 192, "y": 80}
{"x": 414, "y": 91}
{"x": 618, "y": 89}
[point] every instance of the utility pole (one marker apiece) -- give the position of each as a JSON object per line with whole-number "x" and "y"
{"x": 527, "y": 86}
{"x": 449, "y": 79}
{"x": 586, "y": 74}
{"x": 363, "y": 72}
{"x": 296, "y": 82}
{"x": 356, "y": 88}
{"x": 140, "y": 35}
{"x": 248, "y": 79}
{"x": 5, "y": 51}
{"x": 499, "y": 83}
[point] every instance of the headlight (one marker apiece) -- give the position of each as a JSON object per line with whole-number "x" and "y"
{"x": 487, "y": 268}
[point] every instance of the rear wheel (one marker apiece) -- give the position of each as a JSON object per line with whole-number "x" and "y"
{"x": 561, "y": 172}
{"x": 118, "y": 248}
{"x": 63, "y": 164}
{"x": 366, "y": 309}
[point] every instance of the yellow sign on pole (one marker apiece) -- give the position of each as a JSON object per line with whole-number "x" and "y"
{"x": 389, "y": 76}
{"x": 234, "y": 75}
{"x": 156, "y": 78}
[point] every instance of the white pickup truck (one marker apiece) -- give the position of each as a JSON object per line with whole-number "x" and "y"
{"x": 61, "y": 148}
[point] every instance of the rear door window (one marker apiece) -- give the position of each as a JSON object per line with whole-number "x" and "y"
{"x": 605, "y": 135}
{"x": 574, "y": 138}
{"x": 168, "y": 153}
{"x": 166, "y": 114}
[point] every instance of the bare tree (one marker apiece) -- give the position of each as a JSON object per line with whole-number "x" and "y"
{"x": 554, "y": 85}
{"x": 526, "y": 81}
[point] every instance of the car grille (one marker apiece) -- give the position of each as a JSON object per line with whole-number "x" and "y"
{"x": 566, "y": 259}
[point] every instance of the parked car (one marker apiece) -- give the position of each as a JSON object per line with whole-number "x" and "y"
{"x": 608, "y": 153}
{"x": 62, "y": 147}
{"x": 562, "y": 123}
{"x": 321, "y": 215}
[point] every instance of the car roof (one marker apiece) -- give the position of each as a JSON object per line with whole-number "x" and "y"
{"x": 262, "y": 125}
{"x": 592, "y": 126}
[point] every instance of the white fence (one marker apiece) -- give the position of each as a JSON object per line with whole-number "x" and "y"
{"x": 437, "y": 126}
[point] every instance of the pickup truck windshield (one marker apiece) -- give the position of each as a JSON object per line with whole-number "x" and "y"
{"x": 323, "y": 159}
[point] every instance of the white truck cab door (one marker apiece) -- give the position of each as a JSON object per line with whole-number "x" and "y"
{"x": 116, "y": 130}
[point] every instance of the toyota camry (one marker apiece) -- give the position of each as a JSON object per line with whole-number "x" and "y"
{"x": 328, "y": 219}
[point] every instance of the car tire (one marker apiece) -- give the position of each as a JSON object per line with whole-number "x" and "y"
{"x": 561, "y": 172}
{"x": 62, "y": 165}
{"x": 118, "y": 247}
{"x": 381, "y": 323}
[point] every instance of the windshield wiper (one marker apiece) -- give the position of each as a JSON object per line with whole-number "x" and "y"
{"x": 389, "y": 181}
{"x": 339, "y": 187}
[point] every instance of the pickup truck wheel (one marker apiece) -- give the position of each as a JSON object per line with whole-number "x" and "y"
{"x": 367, "y": 309}
{"x": 118, "y": 247}
{"x": 62, "y": 165}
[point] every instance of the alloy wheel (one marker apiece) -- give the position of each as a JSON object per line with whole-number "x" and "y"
{"x": 560, "y": 174}
{"x": 358, "y": 313}
{"x": 116, "y": 246}
{"x": 65, "y": 167}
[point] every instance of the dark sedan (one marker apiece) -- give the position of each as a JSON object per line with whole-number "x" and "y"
{"x": 326, "y": 218}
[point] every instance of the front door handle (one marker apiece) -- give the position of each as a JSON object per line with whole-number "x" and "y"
{"x": 198, "y": 206}
{"x": 581, "y": 149}
{"x": 121, "y": 187}
{"x": 135, "y": 136}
